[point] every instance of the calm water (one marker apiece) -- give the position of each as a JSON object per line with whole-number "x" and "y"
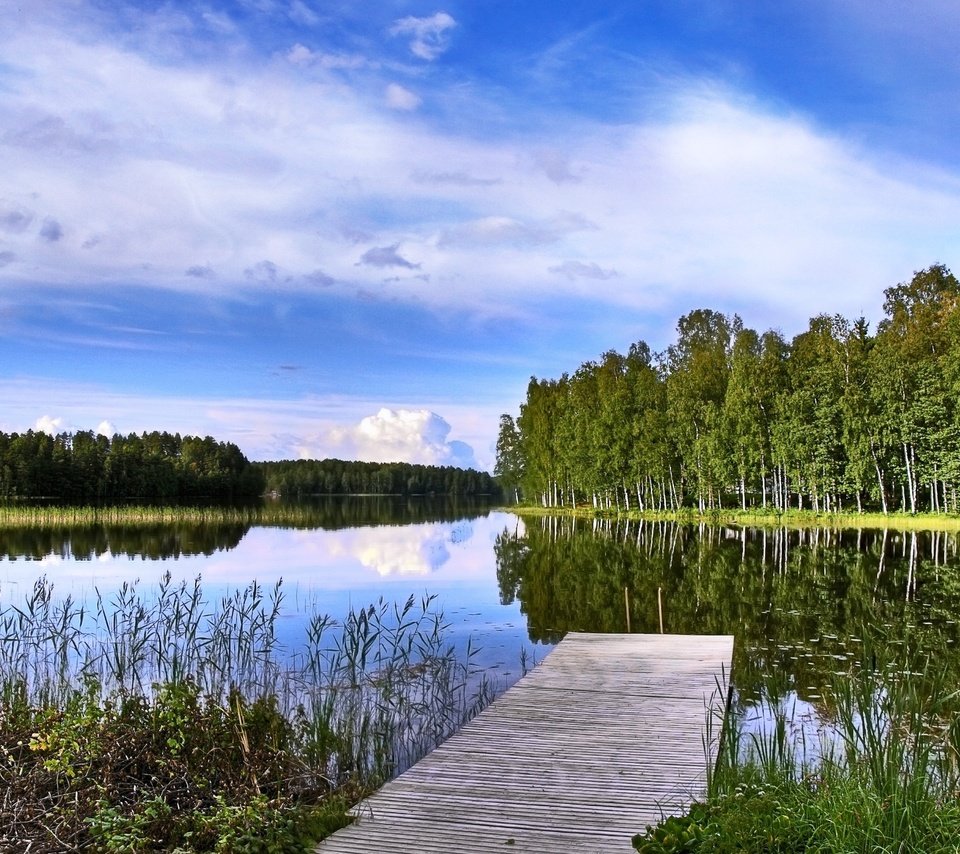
{"x": 800, "y": 603}
{"x": 352, "y": 553}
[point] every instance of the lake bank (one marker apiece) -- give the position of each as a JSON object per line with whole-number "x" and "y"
{"x": 793, "y": 519}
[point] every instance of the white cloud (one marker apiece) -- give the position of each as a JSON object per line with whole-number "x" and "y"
{"x": 504, "y": 230}
{"x": 409, "y": 436}
{"x": 428, "y": 35}
{"x": 301, "y": 55}
{"x": 271, "y": 429}
{"x": 715, "y": 199}
{"x": 396, "y": 551}
{"x": 51, "y": 426}
{"x": 400, "y": 98}
{"x": 301, "y": 13}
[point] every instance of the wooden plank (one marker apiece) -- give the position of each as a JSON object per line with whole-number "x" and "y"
{"x": 605, "y": 736}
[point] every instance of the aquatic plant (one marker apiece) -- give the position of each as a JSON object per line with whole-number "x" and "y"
{"x": 882, "y": 775}
{"x": 153, "y": 719}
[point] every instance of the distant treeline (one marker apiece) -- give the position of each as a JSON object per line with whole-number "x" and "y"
{"x": 293, "y": 478}
{"x": 86, "y": 467}
{"x": 838, "y": 418}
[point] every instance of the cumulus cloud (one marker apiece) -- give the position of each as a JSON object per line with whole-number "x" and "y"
{"x": 401, "y": 435}
{"x": 54, "y": 426}
{"x": 7, "y": 257}
{"x": 399, "y": 98}
{"x": 429, "y": 36}
{"x": 387, "y": 256}
{"x": 394, "y": 550}
{"x": 580, "y": 270}
{"x": 51, "y": 426}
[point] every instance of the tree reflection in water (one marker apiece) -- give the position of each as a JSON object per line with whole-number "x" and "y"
{"x": 800, "y": 602}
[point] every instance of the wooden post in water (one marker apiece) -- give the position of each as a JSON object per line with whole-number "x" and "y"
{"x": 660, "y": 606}
{"x": 626, "y": 604}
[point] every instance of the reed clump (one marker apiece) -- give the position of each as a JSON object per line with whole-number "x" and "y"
{"x": 164, "y": 722}
{"x": 759, "y": 518}
{"x": 882, "y": 774}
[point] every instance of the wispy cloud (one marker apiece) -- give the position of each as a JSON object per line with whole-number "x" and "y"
{"x": 456, "y": 179}
{"x": 297, "y": 148}
{"x": 304, "y": 56}
{"x": 429, "y": 36}
{"x": 581, "y": 270}
{"x": 502, "y": 230}
{"x": 400, "y": 98}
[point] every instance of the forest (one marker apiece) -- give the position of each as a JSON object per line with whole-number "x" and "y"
{"x": 297, "y": 478}
{"x": 85, "y": 467}
{"x": 839, "y": 418}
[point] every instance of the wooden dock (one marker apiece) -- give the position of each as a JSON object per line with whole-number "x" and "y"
{"x": 604, "y": 737}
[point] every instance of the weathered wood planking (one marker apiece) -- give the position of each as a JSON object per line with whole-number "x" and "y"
{"x": 604, "y": 737}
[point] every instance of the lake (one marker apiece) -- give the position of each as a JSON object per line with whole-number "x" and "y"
{"x": 803, "y": 604}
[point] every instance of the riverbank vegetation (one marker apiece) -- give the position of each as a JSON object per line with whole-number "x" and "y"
{"x": 758, "y": 517}
{"x": 881, "y": 774}
{"x": 162, "y": 722}
{"x": 838, "y": 418}
{"x": 232, "y": 520}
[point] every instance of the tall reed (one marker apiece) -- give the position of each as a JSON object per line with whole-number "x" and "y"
{"x": 882, "y": 773}
{"x": 368, "y": 695}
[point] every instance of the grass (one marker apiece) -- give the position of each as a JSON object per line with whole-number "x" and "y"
{"x": 766, "y": 518}
{"x": 883, "y": 776}
{"x": 15, "y": 515}
{"x": 164, "y": 722}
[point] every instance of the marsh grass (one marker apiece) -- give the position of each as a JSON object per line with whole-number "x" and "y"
{"x": 146, "y": 713}
{"x": 758, "y": 518}
{"x": 882, "y": 776}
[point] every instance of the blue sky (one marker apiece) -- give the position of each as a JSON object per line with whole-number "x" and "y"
{"x": 357, "y": 229}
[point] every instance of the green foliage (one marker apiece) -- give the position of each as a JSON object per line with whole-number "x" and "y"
{"x": 169, "y": 725}
{"x": 83, "y": 467}
{"x": 299, "y": 478}
{"x": 884, "y": 776}
{"x": 836, "y": 418}
{"x": 259, "y": 826}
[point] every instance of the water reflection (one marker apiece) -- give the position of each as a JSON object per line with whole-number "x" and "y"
{"x": 801, "y": 603}
{"x": 325, "y": 565}
{"x": 88, "y": 542}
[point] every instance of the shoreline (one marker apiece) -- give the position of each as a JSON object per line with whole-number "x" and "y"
{"x": 942, "y": 522}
